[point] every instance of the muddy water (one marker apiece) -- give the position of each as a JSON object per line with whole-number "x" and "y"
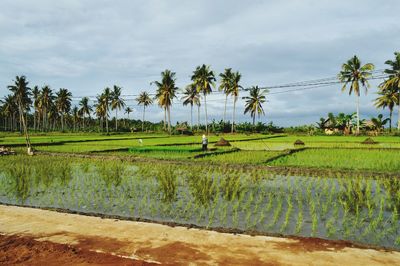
{"x": 355, "y": 209}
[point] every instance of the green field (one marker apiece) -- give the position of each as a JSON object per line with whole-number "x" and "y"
{"x": 332, "y": 187}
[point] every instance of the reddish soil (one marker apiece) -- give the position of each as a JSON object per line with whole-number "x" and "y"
{"x": 18, "y": 250}
{"x": 39, "y": 237}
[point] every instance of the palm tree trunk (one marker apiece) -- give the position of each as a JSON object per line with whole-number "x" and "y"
{"x": 191, "y": 116}
{"x": 20, "y": 122}
{"x": 144, "y": 110}
{"x": 254, "y": 120}
{"x": 106, "y": 124}
{"x": 44, "y": 119}
{"x": 28, "y": 143}
{"x": 358, "y": 114}
{"x": 205, "y": 110}
{"x": 165, "y": 117}
{"x": 398, "y": 116}
{"x": 62, "y": 121}
{"x": 198, "y": 117}
{"x": 233, "y": 114}
{"x": 169, "y": 119}
{"x": 116, "y": 119}
{"x": 390, "y": 120}
{"x": 34, "y": 120}
{"x": 226, "y": 99}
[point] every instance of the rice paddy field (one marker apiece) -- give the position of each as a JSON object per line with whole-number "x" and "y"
{"x": 332, "y": 187}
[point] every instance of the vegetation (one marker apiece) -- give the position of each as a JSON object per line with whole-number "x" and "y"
{"x": 350, "y": 207}
{"x": 356, "y": 75}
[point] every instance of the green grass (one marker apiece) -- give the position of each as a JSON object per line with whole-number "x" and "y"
{"x": 352, "y": 159}
{"x": 126, "y": 143}
{"x": 242, "y": 157}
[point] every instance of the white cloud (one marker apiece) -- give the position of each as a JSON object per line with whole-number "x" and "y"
{"x": 87, "y": 45}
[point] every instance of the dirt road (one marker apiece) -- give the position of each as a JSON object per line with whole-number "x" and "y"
{"x": 94, "y": 241}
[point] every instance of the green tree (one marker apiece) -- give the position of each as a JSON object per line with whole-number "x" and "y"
{"x": 379, "y": 122}
{"x": 85, "y": 109}
{"x": 204, "y": 80}
{"x": 166, "y": 92}
{"x": 104, "y": 101}
{"x": 226, "y": 86}
{"x": 63, "y": 104}
{"x": 235, "y": 93}
{"x": 128, "y": 110}
{"x": 21, "y": 95}
{"x": 36, "y": 105}
{"x": 75, "y": 116}
{"x": 10, "y": 109}
{"x": 45, "y": 103}
{"x": 117, "y": 103}
{"x": 191, "y": 97}
{"x": 354, "y": 74}
{"x": 254, "y": 102}
{"x": 393, "y": 82}
{"x": 145, "y": 100}
{"x": 387, "y": 98}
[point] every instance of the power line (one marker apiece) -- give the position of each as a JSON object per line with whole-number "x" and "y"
{"x": 300, "y": 86}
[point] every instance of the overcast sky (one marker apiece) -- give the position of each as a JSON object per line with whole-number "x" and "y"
{"x": 87, "y": 45}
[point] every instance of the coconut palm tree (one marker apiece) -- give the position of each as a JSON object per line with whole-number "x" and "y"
{"x": 45, "y": 103}
{"x": 21, "y": 95}
{"x": 388, "y": 98}
{"x": 226, "y": 86}
{"x": 145, "y": 100}
{"x": 10, "y": 109}
{"x": 105, "y": 100}
{"x": 36, "y": 99}
{"x": 355, "y": 74}
{"x": 191, "y": 97}
{"x": 204, "y": 80}
{"x": 166, "y": 92}
{"x": 63, "y": 104}
{"x": 393, "y": 82}
{"x": 117, "y": 103}
{"x": 85, "y": 109}
{"x": 128, "y": 110}
{"x": 254, "y": 102}
{"x": 75, "y": 116}
{"x": 235, "y": 93}
{"x": 378, "y": 122}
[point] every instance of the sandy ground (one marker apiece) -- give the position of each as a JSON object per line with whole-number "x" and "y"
{"x": 34, "y": 231}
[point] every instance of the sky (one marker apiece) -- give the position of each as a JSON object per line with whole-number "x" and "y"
{"x": 85, "y": 46}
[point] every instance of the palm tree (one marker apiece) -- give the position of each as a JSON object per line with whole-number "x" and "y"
{"x": 63, "y": 104}
{"x": 226, "y": 86}
{"x": 10, "y": 109}
{"x": 75, "y": 116}
{"x": 145, "y": 100}
{"x": 393, "y": 82}
{"x": 45, "y": 103}
{"x": 85, "y": 109}
{"x": 166, "y": 92}
{"x": 388, "y": 98}
{"x": 128, "y": 110}
{"x": 117, "y": 103}
{"x": 36, "y": 99}
{"x": 21, "y": 95}
{"x": 191, "y": 97}
{"x": 203, "y": 78}
{"x": 105, "y": 99}
{"x": 379, "y": 122}
{"x": 254, "y": 102}
{"x": 235, "y": 93}
{"x": 354, "y": 74}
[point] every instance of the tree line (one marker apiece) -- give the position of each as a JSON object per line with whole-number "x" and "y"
{"x": 50, "y": 110}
